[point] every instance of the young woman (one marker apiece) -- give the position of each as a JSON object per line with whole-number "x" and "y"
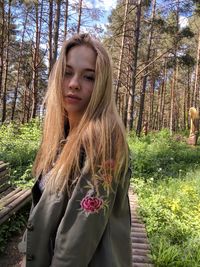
{"x": 80, "y": 214}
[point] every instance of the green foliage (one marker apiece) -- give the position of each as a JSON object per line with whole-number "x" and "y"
{"x": 18, "y": 146}
{"x": 158, "y": 155}
{"x": 171, "y": 211}
{"x": 166, "y": 178}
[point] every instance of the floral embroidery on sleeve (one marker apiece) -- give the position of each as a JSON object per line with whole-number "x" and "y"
{"x": 93, "y": 201}
{"x": 91, "y": 204}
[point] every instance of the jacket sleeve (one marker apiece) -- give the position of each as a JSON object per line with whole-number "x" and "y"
{"x": 85, "y": 219}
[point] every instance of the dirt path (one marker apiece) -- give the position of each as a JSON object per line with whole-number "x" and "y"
{"x": 11, "y": 257}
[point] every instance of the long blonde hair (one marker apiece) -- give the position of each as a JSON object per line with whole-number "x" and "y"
{"x": 100, "y": 133}
{"x": 194, "y": 120}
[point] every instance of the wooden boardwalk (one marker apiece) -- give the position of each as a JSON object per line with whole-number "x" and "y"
{"x": 140, "y": 245}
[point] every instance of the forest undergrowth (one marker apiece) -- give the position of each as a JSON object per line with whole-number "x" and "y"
{"x": 166, "y": 178}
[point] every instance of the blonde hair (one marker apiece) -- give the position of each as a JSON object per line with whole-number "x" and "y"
{"x": 100, "y": 133}
{"x": 194, "y": 120}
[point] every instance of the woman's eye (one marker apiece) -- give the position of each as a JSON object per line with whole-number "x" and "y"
{"x": 68, "y": 73}
{"x": 89, "y": 77}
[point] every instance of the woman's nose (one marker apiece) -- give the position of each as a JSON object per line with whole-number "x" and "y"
{"x": 74, "y": 82}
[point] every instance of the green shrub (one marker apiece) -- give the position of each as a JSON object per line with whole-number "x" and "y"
{"x": 158, "y": 156}
{"x": 18, "y": 146}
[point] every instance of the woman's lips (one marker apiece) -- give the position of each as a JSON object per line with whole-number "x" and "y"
{"x": 72, "y": 99}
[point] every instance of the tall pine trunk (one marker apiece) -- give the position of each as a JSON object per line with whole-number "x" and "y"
{"x": 143, "y": 90}
{"x": 79, "y": 16}
{"x": 4, "y": 96}
{"x": 2, "y": 44}
{"x": 196, "y": 82}
{"x": 134, "y": 66}
{"x": 56, "y": 31}
{"x": 36, "y": 58}
{"x": 119, "y": 71}
{"x": 50, "y": 23}
{"x": 66, "y": 19}
{"x": 18, "y": 70}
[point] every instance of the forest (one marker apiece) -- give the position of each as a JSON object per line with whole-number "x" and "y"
{"x": 155, "y": 50}
{"x": 154, "y": 45}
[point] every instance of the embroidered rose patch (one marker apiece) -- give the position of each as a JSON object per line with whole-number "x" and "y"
{"x": 98, "y": 189}
{"x": 91, "y": 204}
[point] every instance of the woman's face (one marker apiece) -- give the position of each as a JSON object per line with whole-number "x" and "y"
{"x": 79, "y": 80}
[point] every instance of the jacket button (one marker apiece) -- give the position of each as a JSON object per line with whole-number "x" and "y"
{"x": 30, "y": 226}
{"x": 29, "y": 257}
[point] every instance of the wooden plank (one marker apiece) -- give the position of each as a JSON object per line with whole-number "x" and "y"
{"x": 14, "y": 205}
{"x": 6, "y": 201}
{"x": 139, "y": 240}
{"x": 16, "y": 190}
{"x": 4, "y": 173}
{"x": 138, "y": 234}
{"x": 138, "y": 225}
{"x": 135, "y": 220}
{"x": 137, "y": 251}
{"x": 26, "y": 199}
{"x": 141, "y": 259}
{"x": 137, "y": 264}
{"x": 138, "y": 229}
{"x": 4, "y": 187}
{"x": 6, "y": 192}
{"x": 140, "y": 246}
{"x": 4, "y": 180}
{"x": 3, "y": 166}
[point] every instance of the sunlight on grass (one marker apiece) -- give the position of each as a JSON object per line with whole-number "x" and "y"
{"x": 169, "y": 198}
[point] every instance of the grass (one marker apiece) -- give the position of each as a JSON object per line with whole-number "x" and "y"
{"x": 167, "y": 181}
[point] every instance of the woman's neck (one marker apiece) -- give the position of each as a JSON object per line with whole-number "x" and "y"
{"x": 73, "y": 122}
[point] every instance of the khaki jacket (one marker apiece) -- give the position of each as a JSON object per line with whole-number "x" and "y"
{"x": 89, "y": 229}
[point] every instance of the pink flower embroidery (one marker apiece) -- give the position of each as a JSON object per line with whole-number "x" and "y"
{"x": 91, "y": 204}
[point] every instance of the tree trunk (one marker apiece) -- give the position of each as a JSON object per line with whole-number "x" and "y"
{"x": 2, "y": 44}
{"x": 172, "y": 101}
{"x": 66, "y": 19}
{"x": 151, "y": 103}
{"x": 121, "y": 53}
{"x": 126, "y": 96}
{"x": 188, "y": 99}
{"x": 18, "y": 70}
{"x": 79, "y": 16}
{"x": 134, "y": 66}
{"x": 36, "y": 59}
{"x": 50, "y": 52}
{"x": 56, "y": 31}
{"x": 174, "y": 79}
{"x": 142, "y": 96}
{"x": 162, "y": 98}
{"x": 196, "y": 83}
{"x": 4, "y": 98}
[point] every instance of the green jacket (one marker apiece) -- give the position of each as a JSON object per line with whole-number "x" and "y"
{"x": 89, "y": 229}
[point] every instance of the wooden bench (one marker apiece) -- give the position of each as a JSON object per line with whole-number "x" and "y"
{"x": 11, "y": 198}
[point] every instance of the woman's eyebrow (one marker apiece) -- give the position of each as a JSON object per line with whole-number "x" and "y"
{"x": 68, "y": 66}
{"x": 86, "y": 69}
